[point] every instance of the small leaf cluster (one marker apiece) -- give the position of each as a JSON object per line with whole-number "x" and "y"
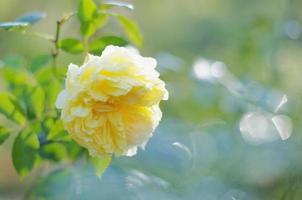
{"x": 27, "y": 106}
{"x": 93, "y": 17}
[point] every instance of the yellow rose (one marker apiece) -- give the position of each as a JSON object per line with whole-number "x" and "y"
{"x": 110, "y": 105}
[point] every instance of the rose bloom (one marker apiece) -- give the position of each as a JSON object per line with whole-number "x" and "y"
{"x": 110, "y": 104}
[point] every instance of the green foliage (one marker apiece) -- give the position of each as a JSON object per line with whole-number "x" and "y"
{"x": 98, "y": 45}
{"x": 90, "y": 27}
{"x": 74, "y": 151}
{"x": 4, "y": 134}
{"x": 71, "y": 45}
{"x": 51, "y": 85}
{"x": 37, "y": 100}
{"x": 87, "y": 10}
{"x": 19, "y": 106}
{"x": 9, "y": 110}
{"x": 100, "y": 164}
{"x": 53, "y": 151}
{"x": 131, "y": 29}
{"x": 24, "y": 152}
{"x": 90, "y": 18}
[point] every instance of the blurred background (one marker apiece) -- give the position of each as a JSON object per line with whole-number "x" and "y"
{"x": 232, "y": 126}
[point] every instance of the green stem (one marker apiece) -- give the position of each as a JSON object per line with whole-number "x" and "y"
{"x": 85, "y": 42}
{"x": 56, "y": 39}
{"x": 56, "y": 51}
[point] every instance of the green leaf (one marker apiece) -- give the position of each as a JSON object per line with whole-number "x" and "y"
{"x": 71, "y": 45}
{"x": 14, "y": 26}
{"x": 57, "y": 132}
{"x": 87, "y": 10}
{"x": 99, "y": 45}
{"x": 4, "y": 134}
{"x": 39, "y": 62}
{"x": 51, "y": 90}
{"x": 74, "y": 150}
{"x": 110, "y": 4}
{"x": 53, "y": 151}
{"x": 9, "y": 110}
{"x": 87, "y": 29}
{"x": 45, "y": 75}
{"x": 51, "y": 85}
{"x": 19, "y": 106}
{"x": 31, "y": 17}
{"x": 90, "y": 27}
{"x": 100, "y": 164}
{"x": 100, "y": 20}
{"x": 14, "y": 80}
{"x": 32, "y": 141}
{"x": 131, "y": 29}
{"x": 89, "y": 18}
{"x": 55, "y": 185}
{"x": 24, "y": 152}
{"x": 37, "y": 101}
{"x": 31, "y": 99}
{"x": 6, "y": 106}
